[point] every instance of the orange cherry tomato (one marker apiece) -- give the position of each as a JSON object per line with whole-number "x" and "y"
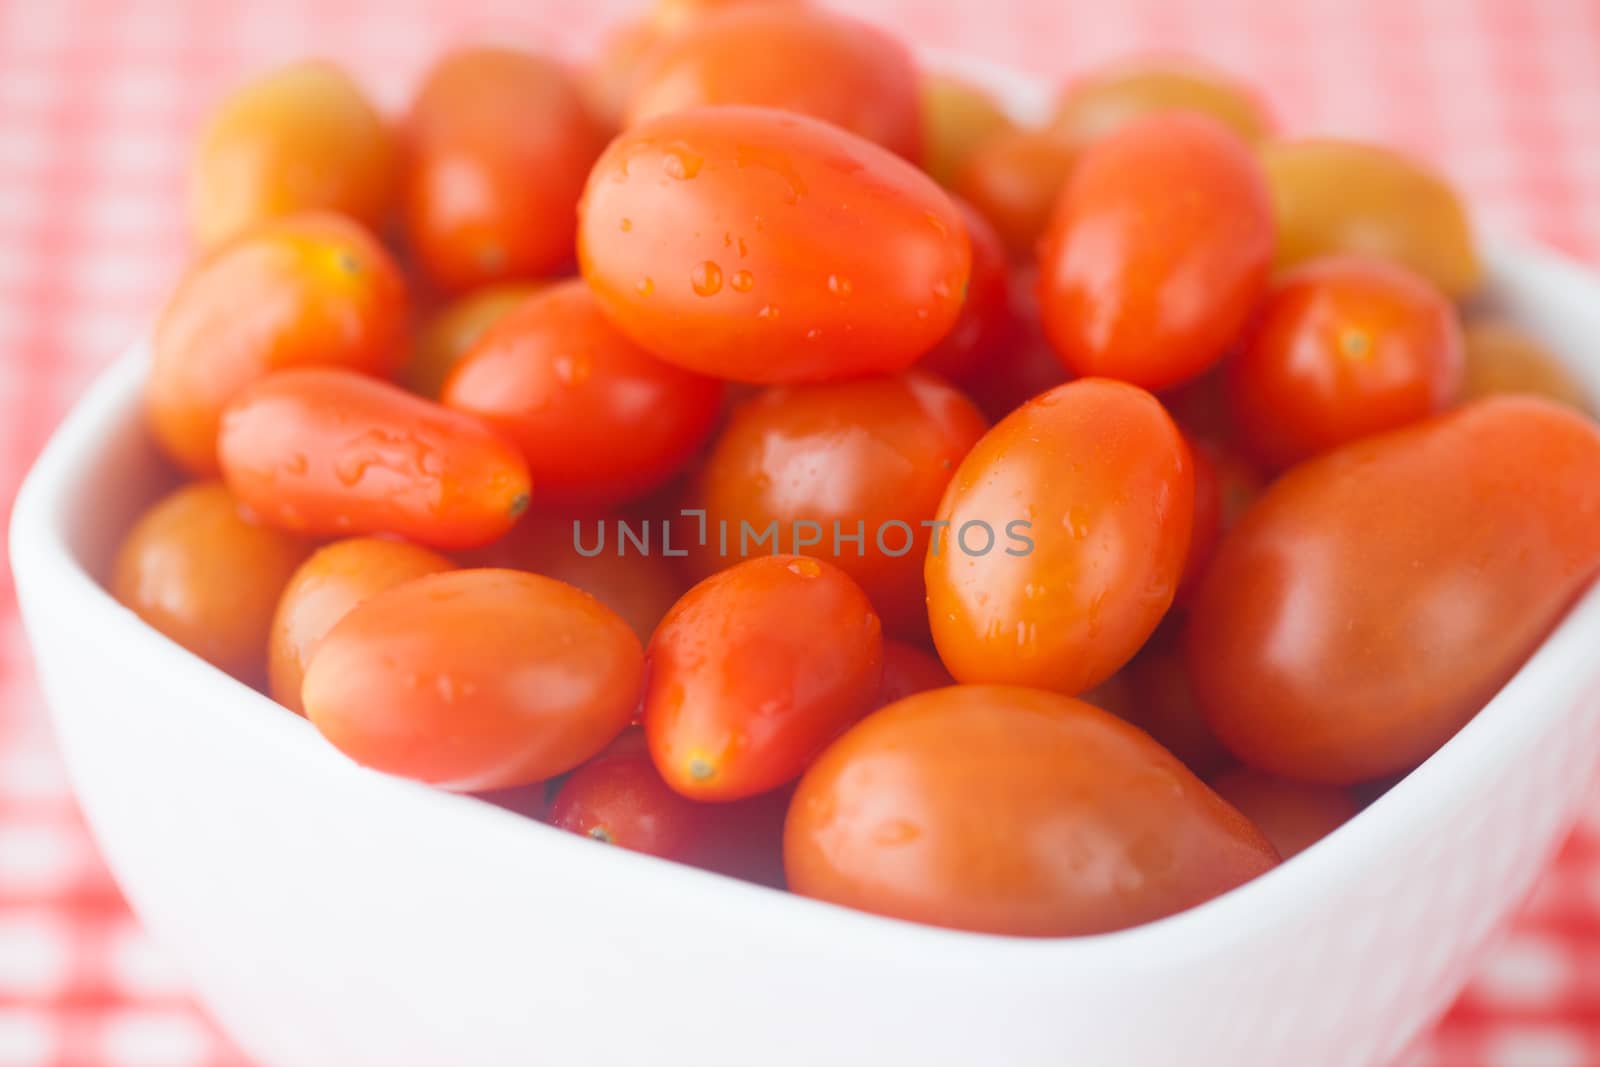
{"x": 850, "y": 472}
{"x": 1065, "y": 533}
{"x": 199, "y": 570}
{"x": 1143, "y": 285}
{"x": 957, "y": 117}
{"x": 251, "y": 161}
{"x": 599, "y": 420}
{"x": 1503, "y": 359}
{"x": 327, "y": 452}
{"x": 908, "y": 669}
{"x": 793, "y": 58}
{"x": 639, "y": 585}
{"x": 1364, "y": 608}
{"x": 762, "y": 246}
{"x": 1013, "y": 179}
{"x": 987, "y": 327}
{"x": 1108, "y": 100}
{"x": 1339, "y": 196}
{"x": 956, "y": 807}
{"x": 500, "y": 143}
{"x": 1160, "y": 701}
{"x": 1293, "y": 815}
{"x": 445, "y": 337}
{"x": 1343, "y": 347}
{"x": 299, "y": 291}
{"x": 475, "y": 679}
{"x": 335, "y": 579}
{"x": 754, "y": 671}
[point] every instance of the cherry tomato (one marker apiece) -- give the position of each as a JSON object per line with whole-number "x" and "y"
{"x": 908, "y": 669}
{"x": 1338, "y": 196}
{"x": 299, "y": 291}
{"x": 1293, "y": 815}
{"x": 609, "y": 79}
{"x": 987, "y": 326}
{"x": 754, "y": 671}
{"x": 1161, "y": 703}
{"x": 327, "y": 452}
{"x": 1375, "y": 598}
{"x": 850, "y": 472}
{"x": 599, "y": 420}
{"x": 1016, "y": 374}
{"x": 1013, "y": 179}
{"x": 251, "y": 162}
{"x": 1012, "y": 811}
{"x": 1065, "y": 534}
{"x": 957, "y": 117}
{"x": 768, "y": 247}
{"x": 475, "y": 679}
{"x": 335, "y": 579}
{"x": 1143, "y": 285}
{"x": 1502, "y": 359}
{"x": 199, "y": 570}
{"x": 445, "y": 337}
{"x": 500, "y": 143}
{"x": 639, "y": 585}
{"x": 1344, "y": 347}
{"x": 794, "y": 58}
{"x": 1108, "y": 100}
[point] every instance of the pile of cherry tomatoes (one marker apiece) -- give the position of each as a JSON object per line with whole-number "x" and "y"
{"x": 1025, "y": 530}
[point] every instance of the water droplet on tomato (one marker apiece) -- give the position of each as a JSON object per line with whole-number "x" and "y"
{"x": 706, "y": 279}
{"x": 742, "y": 281}
{"x": 805, "y": 568}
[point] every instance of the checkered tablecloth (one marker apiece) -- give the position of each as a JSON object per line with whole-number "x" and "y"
{"x": 98, "y": 101}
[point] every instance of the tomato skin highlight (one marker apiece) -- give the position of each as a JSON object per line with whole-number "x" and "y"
{"x": 323, "y": 292}
{"x": 598, "y": 419}
{"x": 1008, "y": 810}
{"x": 1145, "y": 286}
{"x": 322, "y": 591}
{"x": 761, "y": 246}
{"x": 754, "y": 671}
{"x": 475, "y": 679}
{"x": 1375, "y": 598}
{"x": 1343, "y": 347}
{"x": 1104, "y": 480}
{"x": 327, "y": 452}
{"x": 797, "y": 58}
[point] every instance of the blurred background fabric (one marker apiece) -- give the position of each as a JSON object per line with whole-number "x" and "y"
{"x": 98, "y": 104}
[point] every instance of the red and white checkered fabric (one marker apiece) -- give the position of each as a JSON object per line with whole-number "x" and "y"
{"x": 99, "y": 100}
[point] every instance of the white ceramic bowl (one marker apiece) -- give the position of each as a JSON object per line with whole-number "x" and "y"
{"x": 332, "y": 916}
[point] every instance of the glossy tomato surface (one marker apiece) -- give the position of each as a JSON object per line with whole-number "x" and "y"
{"x": 754, "y": 671}
{"x": 475, "y": 679}
{"x": 320, "y": 291}
{"x": 328, "y": 452}
{"x": 850, "y": 472}
{"x": 1372, "y": 600}
{"x": 599, "y": 420}
{"x": 1343, "y": 347}
{"x": 1157, "y": 251}
{"x": 1012, "y": 811}
{"x": 792, "y": 57}
{"x": 762, "y": 246}
{"x": 1065, "y": 531}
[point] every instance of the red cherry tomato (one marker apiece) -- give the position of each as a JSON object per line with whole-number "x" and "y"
{"x": 754, "y": 670}
{"x": 475, "y": 679}
{"x": 1067, "y": 527}
{"x": 794, "y": 58}
{"x": 1012, "y": 811}
{"x": 1293, "y": 815}
{"x": 599, "y": 420}
{"x": 1375, "y": 598}
{"x": 328, "y": 452}
{"x": 851, "y": 472}
{"x": 761, "y": 246}
{"x": 1157, "y": 251}
{"x": 987, "y": 326}
{"x": 1344, "y": 347}
{"x": 500, "y": 143}
{"x": 908, "y": 669}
